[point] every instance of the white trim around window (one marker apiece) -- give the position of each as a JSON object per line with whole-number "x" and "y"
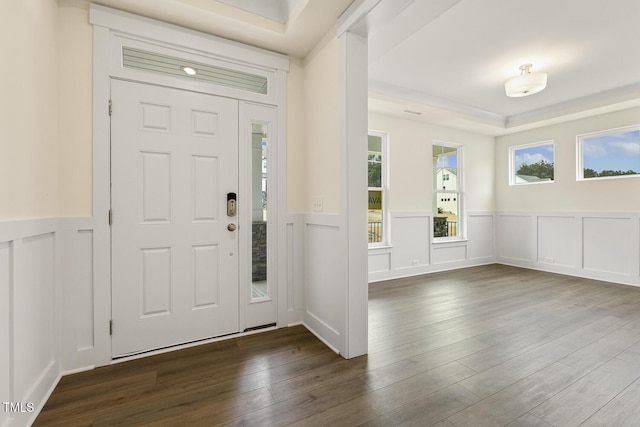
{"x": 454, "y": 195}
{"x": 384, "y": 190}
{"x": 612, "y": 153}
{"x": 536, "y": 152}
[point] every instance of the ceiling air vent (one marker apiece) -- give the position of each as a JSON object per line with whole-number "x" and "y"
{"x": 156, "y": 63}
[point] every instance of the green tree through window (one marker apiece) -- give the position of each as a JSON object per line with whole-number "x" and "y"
{"x": 541, "y": 169}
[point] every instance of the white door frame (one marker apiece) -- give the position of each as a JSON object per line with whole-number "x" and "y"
{"x": 114, "y": 29}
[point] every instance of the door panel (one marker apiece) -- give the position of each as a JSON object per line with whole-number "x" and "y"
{"x": 175, "y": 263}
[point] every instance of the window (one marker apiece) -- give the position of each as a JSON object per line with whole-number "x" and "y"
{"x": 377, "y": 166}
{"x": 447, "y": 194}
{"x": 177, "y": 67}
{"x": 531, "y": 163}
{"x": 609, "y": 154}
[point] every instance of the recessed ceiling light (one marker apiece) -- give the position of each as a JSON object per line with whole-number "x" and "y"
{"x": 189, "y": 71}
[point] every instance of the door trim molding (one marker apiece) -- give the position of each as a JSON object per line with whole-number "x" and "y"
{"x": 112, "y": 28}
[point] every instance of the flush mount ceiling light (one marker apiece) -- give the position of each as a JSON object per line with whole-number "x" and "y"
{"x": 527, "y": 83}
{"x": 189, "y": 71}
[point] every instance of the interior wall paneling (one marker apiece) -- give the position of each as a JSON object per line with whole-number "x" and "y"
{"x": 447, "y": 253}
{"x": 380, "y": 260}
{"x": 595, "y": 245}
{"x": 30, "y": 333}
{"x": 295, "y": 269}
{"x": 516, "y": 237}
{"x": 324, "y": 278}
{"x": 77, "y": 314}
{"x": 609, "y": 245}
{"x": 556, "y": 240}
{"x": 411, "y": 250}
{"x": 6, "y": 342}
{"x": 480, "y": 233}
{"x": 411, "y": 237}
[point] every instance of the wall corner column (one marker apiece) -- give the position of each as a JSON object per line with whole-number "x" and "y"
{"x": 353, "y": 189}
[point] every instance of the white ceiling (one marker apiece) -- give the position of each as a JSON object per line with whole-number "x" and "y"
{"x": 292, "y": 27}
{"x": 449, "y": 59}
{"x": 455, "y": 55}
{"x": 276, "y": 10}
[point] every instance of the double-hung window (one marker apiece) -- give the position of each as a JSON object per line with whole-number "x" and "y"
{"x": 448, "y": 191}
{"x": 377, "y": 177}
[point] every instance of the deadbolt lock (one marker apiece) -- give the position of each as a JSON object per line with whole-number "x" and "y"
{"x": 231, "y": 204}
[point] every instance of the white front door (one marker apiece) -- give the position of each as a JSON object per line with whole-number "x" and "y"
{"x": 174, "y": 164}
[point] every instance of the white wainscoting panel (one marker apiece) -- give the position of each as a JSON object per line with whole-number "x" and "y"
{"x": 449, "y": 253}
{"x": 516, "y": 236}
{"x": 6, "y": 345}
{"x": 30, "y": 330}
{"x": 609, "y": 244}
{"x": 295, "y": 269}
{"x": 76, "y": 237}
{"x": 481, "y": 232}
{"x": 411, "y": 237}
{"x": 45, "y": 300}
{"x": 411, "y": 250}
{"x": 379, "y": 260}
{"x": 595, "y": 245}
{"x": 34, "y": 318}
{"x": 325, "y": 278}
{"x": 557, "y": 240}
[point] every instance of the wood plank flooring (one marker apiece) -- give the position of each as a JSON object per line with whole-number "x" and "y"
{"x": 483, "y": 346}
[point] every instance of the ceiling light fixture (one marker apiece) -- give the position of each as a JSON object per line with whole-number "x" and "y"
{"x": 527, "y": 83}
{"x": 189, "y": 71}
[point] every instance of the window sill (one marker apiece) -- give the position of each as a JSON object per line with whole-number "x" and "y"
{"x": 453, "y": 241}
{"x": 382, "y": 247}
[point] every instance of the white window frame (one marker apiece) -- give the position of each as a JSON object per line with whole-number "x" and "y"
{"x": 385, "y": 240}
{"x": 461, "y": 228}
{"x": 512, "y": 161}
{"x": 580, "y": 155}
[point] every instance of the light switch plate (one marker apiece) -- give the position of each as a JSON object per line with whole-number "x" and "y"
{"x": 317, "y": 203}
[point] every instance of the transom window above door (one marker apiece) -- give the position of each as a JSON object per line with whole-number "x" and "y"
{"x": 177, "y": 67}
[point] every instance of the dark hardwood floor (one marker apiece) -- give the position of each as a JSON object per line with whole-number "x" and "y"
{"x": 491, "y": 345}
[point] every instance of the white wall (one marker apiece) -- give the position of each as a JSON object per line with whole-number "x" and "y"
{"x": 30, "y": 193}
{"x": 411, "y": 163}
{"x": 45, "y": 169}
{"x": 321, "y": 118}
{"x": 296, "y": 138}
{"x": 317, "y": 169}
{"x": 565, "y": 193}
{"x": 75, "y": 86}
{"x": 314, "y": 171}
{"x": 587, "y": 228}
{"x": 46, "y": 225}
{"x": 29, "y": 110}
{"x": 410, "y": 249}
